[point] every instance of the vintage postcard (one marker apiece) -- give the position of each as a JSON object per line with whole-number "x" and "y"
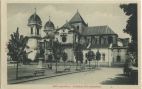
{"x": 70, "y": 44}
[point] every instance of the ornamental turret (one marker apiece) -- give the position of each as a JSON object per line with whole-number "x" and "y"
{"x": 35, "y": 24}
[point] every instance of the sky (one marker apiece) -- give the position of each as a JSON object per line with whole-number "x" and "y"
{"x": 94, "y": 14}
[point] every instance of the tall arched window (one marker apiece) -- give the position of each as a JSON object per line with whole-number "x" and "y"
{"x": 64, "y": 38}
{"x": 100, "y": 39}
{"x": 103, "y": 56}
{"x": 78, "y": 27}
{"x": 31, "y": 30}
{"x": 118, "y": 59}
{"x": 110, "y": 40}
{"x": 37, "y": 31}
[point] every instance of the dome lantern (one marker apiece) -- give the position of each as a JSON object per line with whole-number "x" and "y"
{"x": 49, "y": 25}
{"x": 34, "y": 19}
{"x": 35, "y": 24}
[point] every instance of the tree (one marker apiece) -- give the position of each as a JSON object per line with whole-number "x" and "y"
{"x": 98, "y": 56}
{"x": 78, "y": 54}
{"x": 79, "y": 57}
{"x": 131, "y": 28}
{"x": 56, "y": 51}
{"x": 50, "y": 59}
{"x": 25, "y": 58}
{"x": 90, "y": 56}
{"x": 64, "y": 57}
{"x": 16, "y": 46}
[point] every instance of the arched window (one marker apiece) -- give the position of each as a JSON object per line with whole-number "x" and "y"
{"x": 63, "y": 30}
{"x": 64, "y": 38}
{"x": 31, "y": 30}
{"x": 118, "y": 59}
{"x": 110, "y": 39}
{"x": 37, "y": 31}
{"x": 77, "y": 27}
{"x": 100, "y": 39}
{"x": 103, "y": 55}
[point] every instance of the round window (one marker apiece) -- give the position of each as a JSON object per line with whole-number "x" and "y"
{"x": 64, "y": 39}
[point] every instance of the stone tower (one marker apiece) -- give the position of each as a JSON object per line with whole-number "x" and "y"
{"x": 34, "y": 24}
{"x": 78, "y": 22}
{"x": 49, "y": 38}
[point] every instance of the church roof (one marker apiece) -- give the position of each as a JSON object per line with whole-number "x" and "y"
{"x": 66, "y": 24}
{"x": 77, "y": 19}
{"x": 48, "y": 24}
{"x": 34, "y": 19}
{"x": 98, "y": 30}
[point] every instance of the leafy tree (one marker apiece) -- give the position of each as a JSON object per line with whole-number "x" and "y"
{"x": 16, "y": 46}
{"x": 131, "y": 28}
{"x": 25, "y": 58}
{"x": 90, "y": 56}
{"x": 56, "y": 51}
{"x": 64, "y": 57}
{"x": 98, "y": 56}
{"x": 41, "y": 51}
{"x": 50, "y": 60}
{"x": 78, "y": 54}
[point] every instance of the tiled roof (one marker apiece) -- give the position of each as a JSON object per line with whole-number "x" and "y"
{"x": 97, "y": 30}
{"x": 48, "y": 24}
{"x": 66, "y": 24}
{"x": 77, "y": 18}
{"x": 34, "y": 19}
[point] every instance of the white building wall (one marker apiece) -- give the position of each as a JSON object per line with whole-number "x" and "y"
{"x": 69, "y": 36}
{"x": 121, "y": 53}
{"x": 57, "y": 36}
{"x": 70, "y": 54}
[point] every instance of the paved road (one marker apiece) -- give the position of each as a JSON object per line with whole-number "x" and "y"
{"x": 99, "y": 76}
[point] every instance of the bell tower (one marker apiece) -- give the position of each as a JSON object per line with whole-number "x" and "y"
{"x": 35, "y": 24}
{"x": 78, "y": 22}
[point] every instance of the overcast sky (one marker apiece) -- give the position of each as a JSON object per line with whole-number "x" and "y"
{"x": 93, "y": 14}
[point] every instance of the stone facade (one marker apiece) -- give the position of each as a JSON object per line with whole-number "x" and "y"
{"x": 100, "y": 38}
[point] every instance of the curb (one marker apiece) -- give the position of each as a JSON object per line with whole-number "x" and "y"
{"x": 48, "y": 77}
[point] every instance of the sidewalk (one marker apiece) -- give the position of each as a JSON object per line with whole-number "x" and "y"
{"x": 26, "y": 73}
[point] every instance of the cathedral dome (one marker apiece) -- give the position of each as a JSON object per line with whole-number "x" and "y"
{"x": 49, "y": 24}
{"x": 34, "y": 19}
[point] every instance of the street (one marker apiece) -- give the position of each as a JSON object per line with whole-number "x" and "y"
{"x": 104, "y": 76}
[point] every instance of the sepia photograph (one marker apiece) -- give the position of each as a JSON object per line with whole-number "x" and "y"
{"x": 72, "y": 45}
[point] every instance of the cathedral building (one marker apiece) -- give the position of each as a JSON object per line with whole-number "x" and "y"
{"x": 76, "y": 30}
